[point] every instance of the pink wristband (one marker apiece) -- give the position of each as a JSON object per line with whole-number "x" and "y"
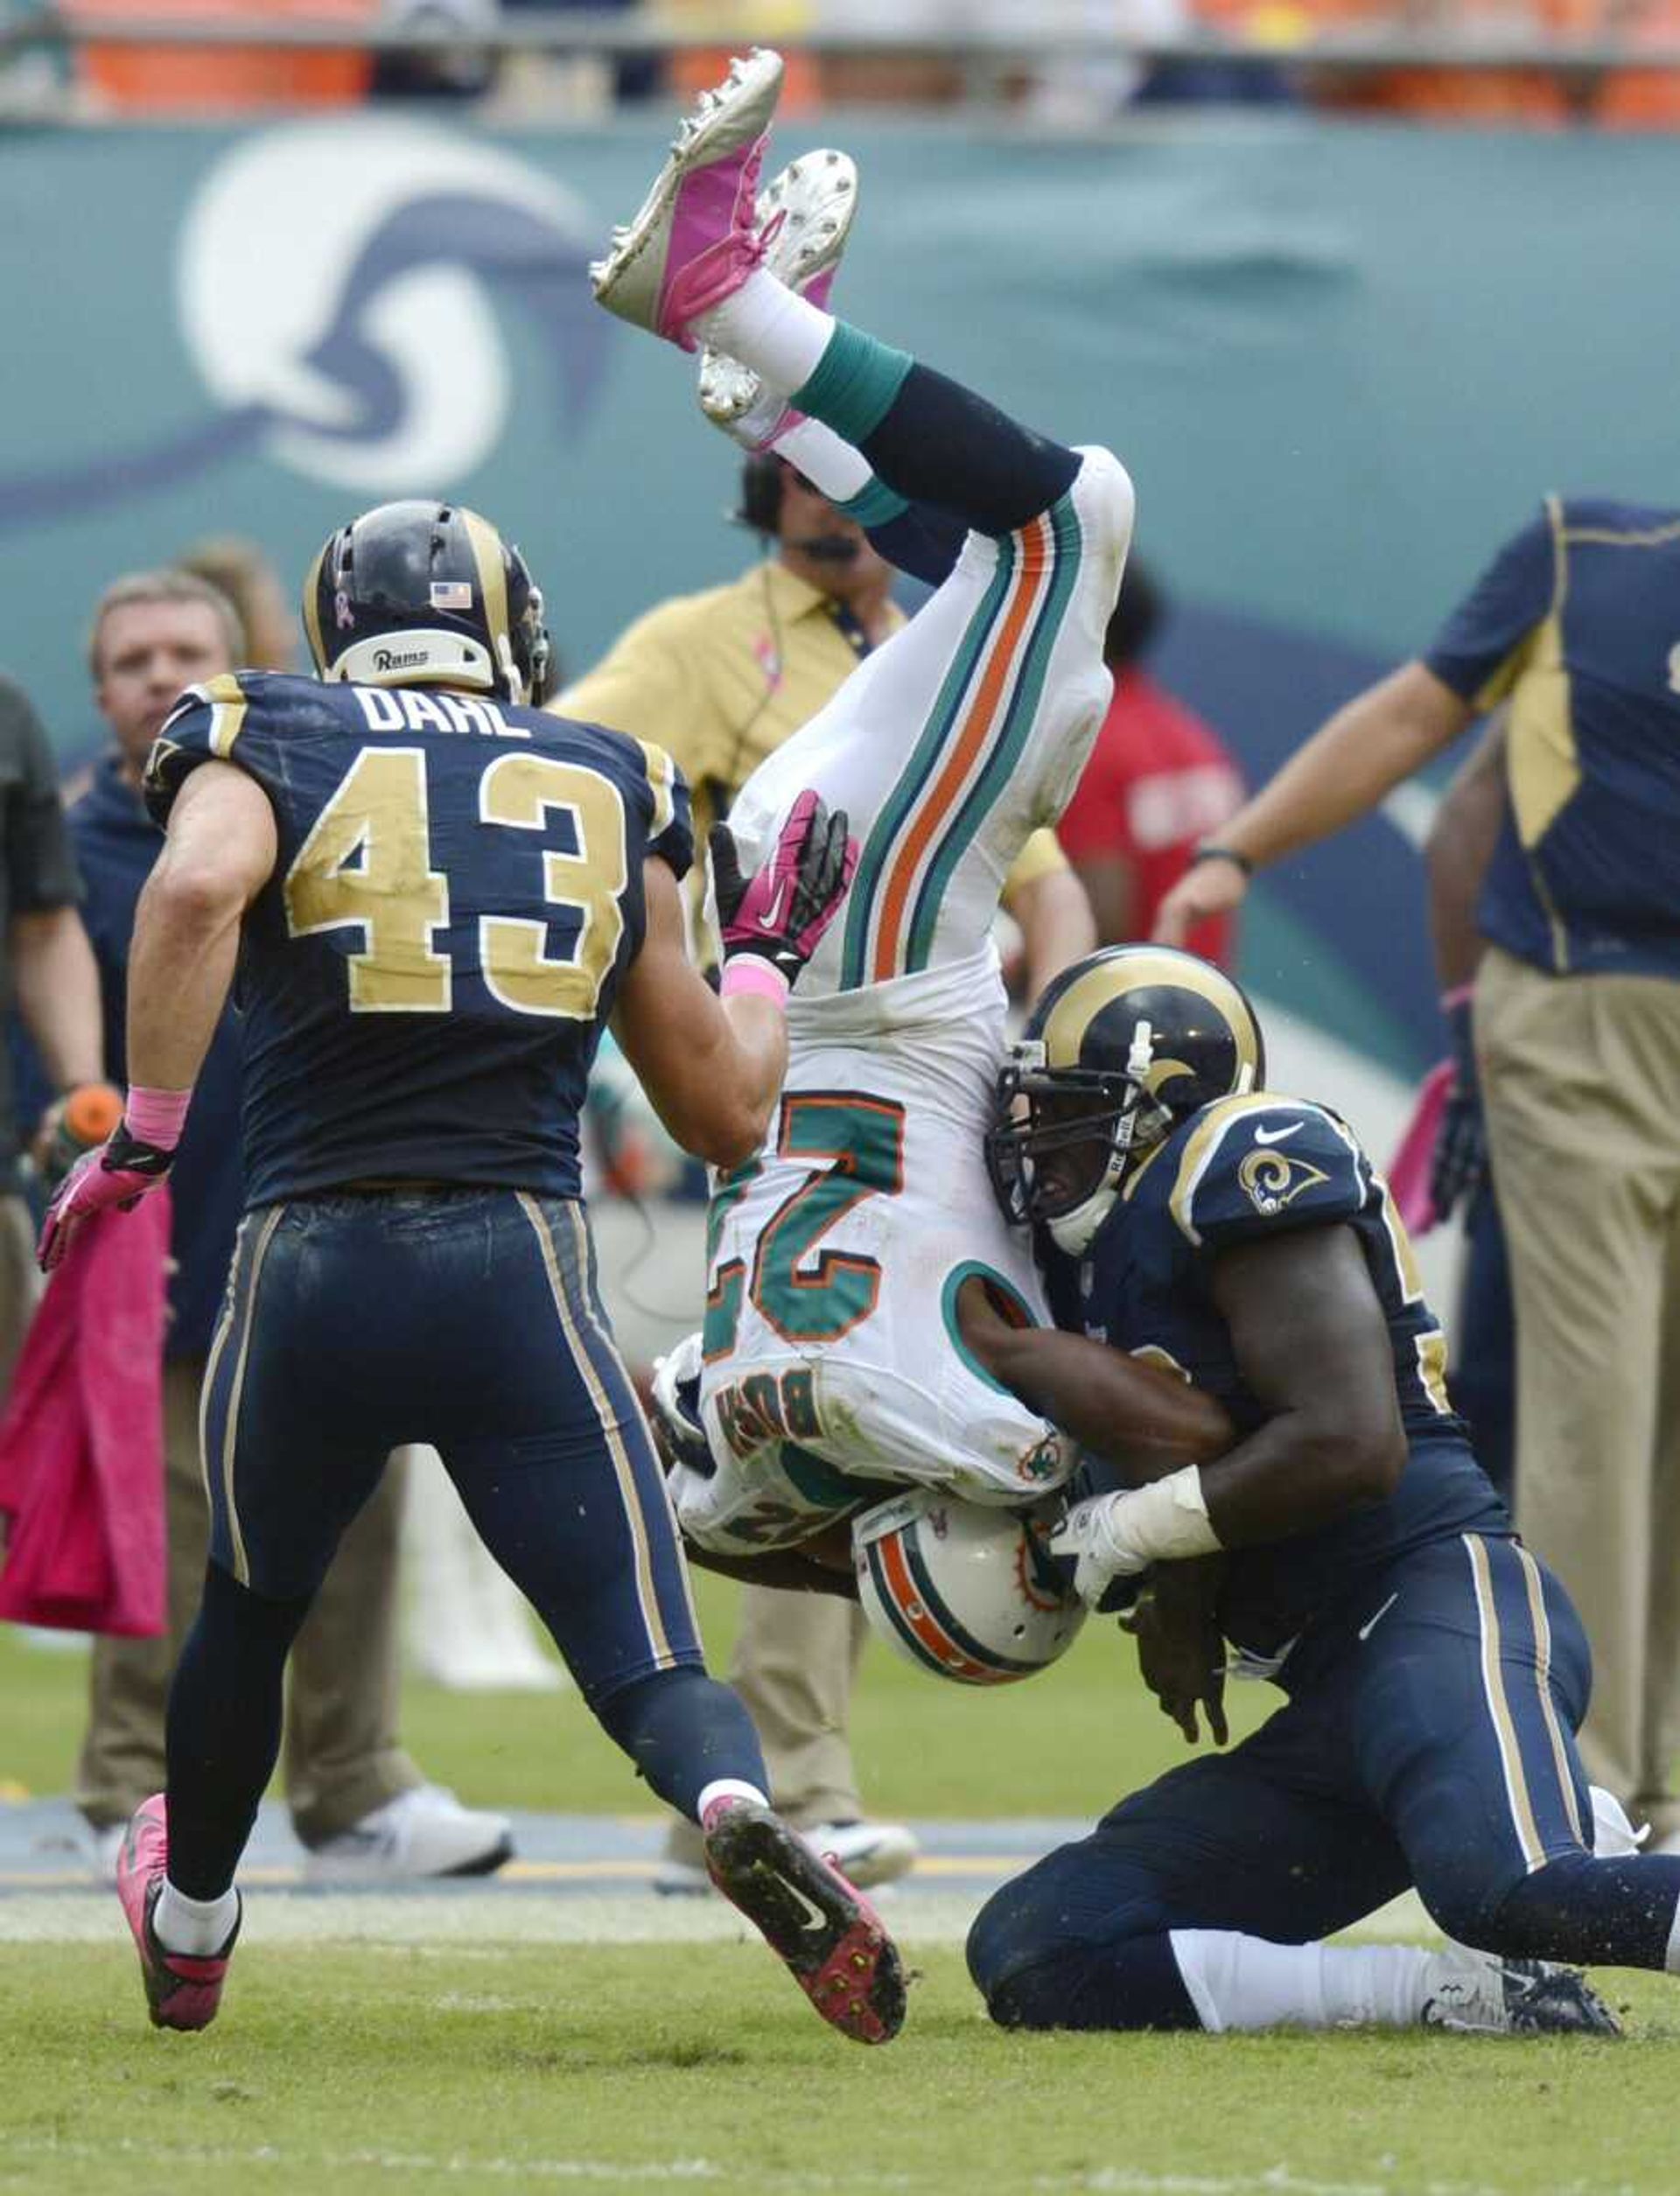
{"x": 751, "y": 972}
{"x": 156, "y": 1116}
{"x": 1459, "y": 995}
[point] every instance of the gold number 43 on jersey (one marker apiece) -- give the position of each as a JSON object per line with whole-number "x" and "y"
{"x": 367, "y": 864}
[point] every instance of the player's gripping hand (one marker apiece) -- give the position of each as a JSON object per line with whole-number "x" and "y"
{"x": 778, "y": 916}
{"x": 1459, "y": 1158}
{"x": 116, "y": 1173}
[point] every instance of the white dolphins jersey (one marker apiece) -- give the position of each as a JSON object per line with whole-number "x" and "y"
{"x": 835, "y": 1258}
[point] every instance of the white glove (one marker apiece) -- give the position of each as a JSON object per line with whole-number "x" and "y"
{"x": 1116, "y": 1537}
{"x": 1087, "y": 1534}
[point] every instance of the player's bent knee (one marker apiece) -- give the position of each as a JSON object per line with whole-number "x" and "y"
{"x": 1108, "y": 500}
{"x": 1467, "y": 1905}
{"x": 1038, "y": 1977}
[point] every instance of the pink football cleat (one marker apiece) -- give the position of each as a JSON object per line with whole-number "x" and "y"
{"x": 695, "y": 242}
{"x": 824, "y": 1932}
{"x": 182, "y": 1990}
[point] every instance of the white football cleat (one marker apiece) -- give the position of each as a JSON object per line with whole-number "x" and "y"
{"x": 423, "y": 1832}
{"x": 694, "y": 241}
{"x": 803, "y": 219}
{"x": 1481, "y": 1993}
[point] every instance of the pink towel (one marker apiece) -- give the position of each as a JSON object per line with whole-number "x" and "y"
{"x": 1409, "y": 1169}
{"x": 81, "y": 1444}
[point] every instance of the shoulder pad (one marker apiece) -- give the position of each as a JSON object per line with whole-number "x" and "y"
{"x": 1259, "y": 1162}
{"x": 204, "y": 726}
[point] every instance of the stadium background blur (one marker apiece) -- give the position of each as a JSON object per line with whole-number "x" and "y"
{"x": 1347, "y": 286}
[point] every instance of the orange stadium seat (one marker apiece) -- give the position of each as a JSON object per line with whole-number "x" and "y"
{"x": 219, "y": 79}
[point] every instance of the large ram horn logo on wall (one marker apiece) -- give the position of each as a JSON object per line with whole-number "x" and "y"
{"x": 338, "y": 285}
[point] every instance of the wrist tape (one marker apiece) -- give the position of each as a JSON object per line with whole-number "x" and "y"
{"x": 1166, "y": 1521}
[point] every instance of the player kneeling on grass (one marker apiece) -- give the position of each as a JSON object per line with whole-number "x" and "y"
{"x": 437, "y": 893}
{"x": 1346, "y": 1543}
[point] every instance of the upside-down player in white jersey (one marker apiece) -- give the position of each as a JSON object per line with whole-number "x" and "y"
{"x": 862, "y": 1281}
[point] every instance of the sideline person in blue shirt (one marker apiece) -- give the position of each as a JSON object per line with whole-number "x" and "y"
{"x": 1574, "y": 1048}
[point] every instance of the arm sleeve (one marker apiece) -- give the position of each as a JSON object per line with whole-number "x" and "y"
{"x": 41, "y": 870}
{"x": 1482, "y": 646}
{"x": 1040, "y": 857}
{"x": 1256, "y": 1166}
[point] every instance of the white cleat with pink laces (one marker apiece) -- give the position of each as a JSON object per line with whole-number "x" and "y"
{"x": 803, "y": 219}
{"x": 694, "y": 241}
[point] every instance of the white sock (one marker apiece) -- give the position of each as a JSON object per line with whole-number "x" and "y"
{"x": 728, "y": 1788}
{"x": 1238, "y": 1982}
{"x": 194, "y": 1927}
{"x": 829, "y": 464}
{"x": 781, "y": 335}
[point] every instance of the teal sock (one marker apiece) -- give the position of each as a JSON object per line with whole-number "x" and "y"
{"x": 874, "y": 505}
{"x": 855, "y": 384}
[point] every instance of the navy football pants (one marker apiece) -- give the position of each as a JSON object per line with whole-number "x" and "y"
{"x": 470, "y": 1319}
{"x": 1428, "y": 1740}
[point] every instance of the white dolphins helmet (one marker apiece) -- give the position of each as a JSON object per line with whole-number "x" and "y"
{"x": 966, "y": 1590}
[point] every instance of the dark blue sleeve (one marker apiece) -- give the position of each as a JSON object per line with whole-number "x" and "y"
{"x": 1479, "y": 650}
{"x": 923, "y": 541}
{"x": 1265, "y": 1167}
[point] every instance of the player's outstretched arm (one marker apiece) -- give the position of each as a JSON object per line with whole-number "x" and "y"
{"x": 1362, "y": 752}
{"x": 713, "y": 1066}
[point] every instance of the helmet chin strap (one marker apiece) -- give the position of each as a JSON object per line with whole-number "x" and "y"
{"x": 1072, "y": 1232}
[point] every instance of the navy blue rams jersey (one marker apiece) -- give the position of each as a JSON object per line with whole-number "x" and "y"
{"x": 425, "y": 977}
{"x": 1236, "y": 1172}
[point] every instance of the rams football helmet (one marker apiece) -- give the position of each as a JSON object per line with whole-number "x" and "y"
{"x": 1120, "y": 1048}
{"x": 427, "y": 594}
{"x": 965, "y": 1590}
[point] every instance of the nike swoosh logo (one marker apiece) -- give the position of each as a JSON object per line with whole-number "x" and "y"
{"x": 813, "y": 1917}
{"x": 771, "y": 919}
{"x": 1278, "y": 1134}
{"x": 1366, "y": 1630}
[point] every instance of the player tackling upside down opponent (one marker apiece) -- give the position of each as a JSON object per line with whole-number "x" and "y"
{"x": 844, "y": 1261}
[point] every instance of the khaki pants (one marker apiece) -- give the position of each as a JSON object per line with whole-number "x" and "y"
{"x": 1582, "y": 1082}
{"x": 341, "y": 1756}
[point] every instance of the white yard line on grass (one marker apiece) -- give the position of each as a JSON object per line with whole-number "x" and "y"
{"x": 484, "y": 1918}
{"x": 1274, "y": 2180}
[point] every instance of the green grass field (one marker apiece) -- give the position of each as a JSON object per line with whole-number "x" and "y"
{"x": 626, "y": 2068}
{"x": 499, "y": 2064}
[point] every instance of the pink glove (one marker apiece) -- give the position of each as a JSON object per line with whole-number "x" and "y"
{"x": 779, "y": 915}
{"x": 117, "y": 1172}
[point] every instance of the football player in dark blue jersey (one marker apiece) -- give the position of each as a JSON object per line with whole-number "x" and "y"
{"x": 1346, "y": 1543}
{"x": 436, "y": 894}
